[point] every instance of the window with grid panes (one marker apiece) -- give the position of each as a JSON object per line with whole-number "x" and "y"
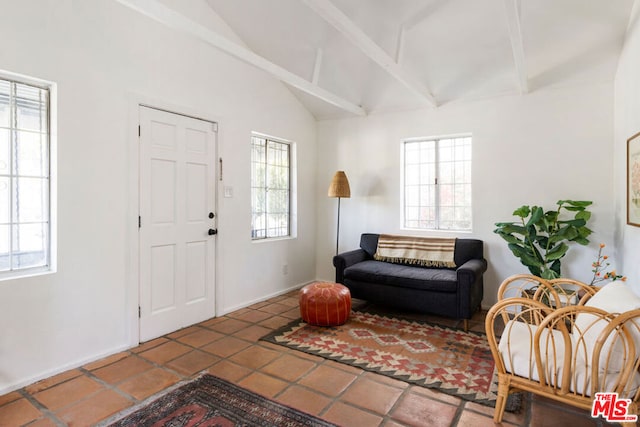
{"x": 25, "y": 228}
{"x": 437, "y": 183}
{"x": 270, "y": 188}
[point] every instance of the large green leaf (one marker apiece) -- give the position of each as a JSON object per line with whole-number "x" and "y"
{"x": 510, "y": 238}
{"x": 525, "y": 255}
{"x": 550, "y": 221}
{"x": 575, "y": 203}
{"x": 574, "y": 222}
{"x": 542, "y": 241}
{"x": 532, "y": 233}
{"x": 586, "y": 215}
{"x": 534, "y": 270}
{"x": 522, "y": 211}
{"x": 552, "y": 216}
{"x": 502, "y": 224}
{"x": 511, "y": 228}
{"x": 557, "y": 252}
{"x": 584, "y": 231}
{"x": 567, "y": 232}
{"x": 549, "y": 274}
{"x": 536, "y": 215}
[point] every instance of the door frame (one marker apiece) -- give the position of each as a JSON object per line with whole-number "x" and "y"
{"x": 132, "y": 252}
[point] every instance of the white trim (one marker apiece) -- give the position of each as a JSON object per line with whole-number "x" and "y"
{"x": 228, "y": 310}
{"x": 52, "y": 152}
{"x": 403, "y": 165}
{"x": 341, "y": 22}
{"x": 132, "y": 254}
{"x": 512, "y": 8}
{"x": 293, "y": 196}
{"x": 317, "y": 66}
{"x": 60, "y": 369}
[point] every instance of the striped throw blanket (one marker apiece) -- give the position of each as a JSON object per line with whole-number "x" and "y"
{"x": 423, "y": 251}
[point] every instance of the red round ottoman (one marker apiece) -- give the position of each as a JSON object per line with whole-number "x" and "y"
{"x": 325, "y": 304}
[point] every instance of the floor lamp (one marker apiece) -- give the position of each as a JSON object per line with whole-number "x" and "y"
{"x": 339, "y": 188}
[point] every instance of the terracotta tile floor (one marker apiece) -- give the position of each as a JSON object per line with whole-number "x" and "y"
{"x": 229, "y": 347}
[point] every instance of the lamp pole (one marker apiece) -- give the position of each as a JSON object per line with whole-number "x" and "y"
{"x": 339, "y": 188}
{"x": 338, "y": 230}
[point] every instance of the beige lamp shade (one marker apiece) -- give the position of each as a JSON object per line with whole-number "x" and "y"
{"x": 339, "y": 186}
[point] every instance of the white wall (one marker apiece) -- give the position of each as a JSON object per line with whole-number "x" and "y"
{"x": 104, "y": 57}
{"x": 533, "y": 149}
{"x": 627, "y": 123}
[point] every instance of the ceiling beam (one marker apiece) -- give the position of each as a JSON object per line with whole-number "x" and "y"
{"x": 515, "y": 34}
{"x": 169, "y": 17}
{"x": 400, "y": 45}
{"x": 336, "y": 18}
{"x": 316, "y": 67}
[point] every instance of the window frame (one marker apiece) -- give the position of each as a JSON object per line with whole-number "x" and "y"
{"x": 49, "y": 189}
{"x": 437, "y": 173}
{"x": 290, "y": 186}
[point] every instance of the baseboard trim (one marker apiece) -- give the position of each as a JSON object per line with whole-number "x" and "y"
{"x": 60, "y": 369}
{"x": 227, "y": 310}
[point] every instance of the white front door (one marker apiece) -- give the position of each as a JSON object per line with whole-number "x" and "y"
{"x": 177, "y": 221}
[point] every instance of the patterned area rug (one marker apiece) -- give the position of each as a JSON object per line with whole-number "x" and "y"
{"x": 453, "y": 361}
{"x": 209, "y": 401}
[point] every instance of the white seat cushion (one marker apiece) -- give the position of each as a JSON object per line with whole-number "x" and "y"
{"x": 615, "y": 297}
{"x": 517, "y": 351}
{"x": 518, "y": 355}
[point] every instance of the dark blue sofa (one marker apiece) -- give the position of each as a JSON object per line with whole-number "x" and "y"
{"x": 451, "y": 292}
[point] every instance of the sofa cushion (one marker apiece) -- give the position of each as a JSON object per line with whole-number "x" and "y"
{"x": 384, "y": 273}
{"x": 369, "y": 243}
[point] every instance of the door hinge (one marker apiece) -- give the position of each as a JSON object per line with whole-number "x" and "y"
{"x": 139, "y": 221}
{"x": 139, "y": 132}
{"x": 139, "y": 312}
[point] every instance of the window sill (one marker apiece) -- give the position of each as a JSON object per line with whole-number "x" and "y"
{"x": 25, "y": 274}
{"x": 272, "y": 239}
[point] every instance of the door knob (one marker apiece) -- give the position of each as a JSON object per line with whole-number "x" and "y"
{"x": 213, "y": 231}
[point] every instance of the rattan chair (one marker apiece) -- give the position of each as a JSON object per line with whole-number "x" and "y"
{"x": 554, "y": 343}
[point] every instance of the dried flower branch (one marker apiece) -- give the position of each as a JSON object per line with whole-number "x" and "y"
{"x": 600, "y": 266}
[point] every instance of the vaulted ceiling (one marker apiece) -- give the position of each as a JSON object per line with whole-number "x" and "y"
{"x": 346, "y": 58}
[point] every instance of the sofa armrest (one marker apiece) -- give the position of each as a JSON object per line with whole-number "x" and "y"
{"x": 347, "y": 259}
{"x": 471, "y": 270}
{"x": 470, "y": 286}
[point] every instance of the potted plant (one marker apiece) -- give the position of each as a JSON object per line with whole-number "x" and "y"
{"x": 540, "y": 239}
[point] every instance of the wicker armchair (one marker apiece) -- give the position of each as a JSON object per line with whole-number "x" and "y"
{"x": 565, "y": 341}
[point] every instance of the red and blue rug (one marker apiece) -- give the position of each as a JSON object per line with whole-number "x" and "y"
{"x": 209, "y": 401}
{"x": 450, "y": 360}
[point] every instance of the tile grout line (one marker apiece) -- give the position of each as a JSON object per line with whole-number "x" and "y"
{"x": 48, "y": 413}
{"x": 458, "y": 413}
{"x": 83, "y": 373}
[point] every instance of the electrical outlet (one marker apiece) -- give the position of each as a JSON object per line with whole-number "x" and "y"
{"x": 285, "y": 269}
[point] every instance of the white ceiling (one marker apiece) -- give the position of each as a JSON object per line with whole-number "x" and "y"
{"x": 387, "y": 55}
